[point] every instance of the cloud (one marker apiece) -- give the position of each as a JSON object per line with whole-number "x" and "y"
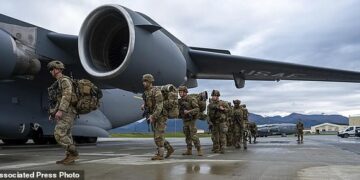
{"x": 319, "y": 33}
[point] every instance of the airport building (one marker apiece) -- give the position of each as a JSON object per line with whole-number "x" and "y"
{"x": 326, "y": 128}
{"x": 354, "y": 120}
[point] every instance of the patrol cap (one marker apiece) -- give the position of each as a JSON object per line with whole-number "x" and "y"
{"x": 183, "y": 88}
{"x": 55, "y": 64}
{"x": 148, "y": 78}
{"x": 236, "y": 101}
{"x": 215, "y": 93}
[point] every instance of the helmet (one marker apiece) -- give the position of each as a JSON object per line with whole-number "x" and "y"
{"x": 243, "y": 105}
{"x": 215, "y": 93}
{"x": 55, "y": 64}
{"x": 148, "y": 77}
{"x": 236, "y": 101}
{"x": 183, "y": 88}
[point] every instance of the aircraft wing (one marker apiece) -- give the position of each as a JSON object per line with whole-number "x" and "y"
{"x": 218, "y": 64}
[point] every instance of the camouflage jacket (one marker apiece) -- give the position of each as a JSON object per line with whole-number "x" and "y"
{"x": 154, "y": 102}
{"x": 238, "y": 117}
{"x": 215, "y": 114}
{"x": 299, "y": 126}
{"x": 245, "y": 114}
{"x": 63, "y": 94}
{"x": 188, "y": 103}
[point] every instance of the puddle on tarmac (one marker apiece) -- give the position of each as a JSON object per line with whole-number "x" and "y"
{"x": 208, "y": 168}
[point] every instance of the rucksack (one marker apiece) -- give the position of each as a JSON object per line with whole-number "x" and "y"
{"x": 171, "y": 104}
{"x": 88, "y": 96}
{"x": 201, "y": 100}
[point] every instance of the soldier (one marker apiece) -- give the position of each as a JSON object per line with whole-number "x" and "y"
{"x": 217, "y": 113}
{"x": 230, "y": 125}
{"x": 300, "y": 131}
{"x": 189, "y": 112}
{"x": 158, "y": 116}
{"x": 245, "y": 125}
{"x": 239, "y": 125}
{"x": 253, "y": 131}
{"x": 64, "y": 111}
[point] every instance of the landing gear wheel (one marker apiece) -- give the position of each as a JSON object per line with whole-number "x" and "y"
{"x": 14, "y": 141}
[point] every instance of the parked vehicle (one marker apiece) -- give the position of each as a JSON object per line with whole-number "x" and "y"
{"x": 349, "y": 131}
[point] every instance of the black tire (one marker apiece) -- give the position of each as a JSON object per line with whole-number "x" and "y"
{"x": 346, "y": 135}
{"x": 38, "y": 137}
{"x": 15, "y": 141}
{"x": 91, "y": 139}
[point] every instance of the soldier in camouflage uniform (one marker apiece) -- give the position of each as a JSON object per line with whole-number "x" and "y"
{"x": 230, "y": 125}
{"x": 189, "y": 112}
{"x": 158, "y": 116}
{"x": 64, "y": 111}
{"x": 245, "y": 126}
{"x": 217, "y": 113}
{"x": 239, "y": 125}
{"x": 300, "y": 131}
{"x": 253, "y": 131}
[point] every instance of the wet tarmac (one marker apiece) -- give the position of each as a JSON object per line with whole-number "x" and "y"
{"x": 319, "y": 157}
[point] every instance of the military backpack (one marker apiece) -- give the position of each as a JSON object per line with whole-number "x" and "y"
{"x": 171, "y": 104}
{"x": 201, "y": 100}
{"x": 88, "y": 96}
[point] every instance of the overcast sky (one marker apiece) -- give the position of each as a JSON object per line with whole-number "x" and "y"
{"x": 320, "y": 33}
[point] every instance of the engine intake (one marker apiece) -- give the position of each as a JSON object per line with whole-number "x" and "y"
{"x": 116, "y": 45}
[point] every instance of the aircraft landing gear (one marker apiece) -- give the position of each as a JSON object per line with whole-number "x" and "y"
{"x": 14, "y": 141}
{"x": 84, "y": 140}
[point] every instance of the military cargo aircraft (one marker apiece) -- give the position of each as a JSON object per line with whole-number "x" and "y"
{"x": 114, "y": 48}
{"x": 265, "y": 130}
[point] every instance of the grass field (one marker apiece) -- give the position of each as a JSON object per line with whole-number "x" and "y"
{"x": 150, "y": 135}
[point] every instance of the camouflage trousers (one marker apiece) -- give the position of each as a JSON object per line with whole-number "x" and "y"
{"x": 253, "y": 133}
{"x": 218, "y": 135}
{"x": 300, "y": 135}
{"x": 230, "y": 136}
{"x": 240, "y": 136}
{"x": 62, "y": 132}
{"x": 190, "y": 130}
{"x": 159, "y": 127}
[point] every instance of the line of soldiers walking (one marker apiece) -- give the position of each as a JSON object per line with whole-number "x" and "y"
{"x": 158, "y": 107}
{"x": 223, "y": 119}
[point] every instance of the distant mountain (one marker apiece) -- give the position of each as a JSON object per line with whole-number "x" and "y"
{"x": 177, "y": 124}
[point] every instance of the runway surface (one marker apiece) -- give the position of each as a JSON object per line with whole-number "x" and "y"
{"x": 319, "y": 157}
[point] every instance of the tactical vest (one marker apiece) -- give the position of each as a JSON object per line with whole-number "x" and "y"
{"x": 185, "y": 104}
{"x": 215, "y": 114}
{"x": 55, "y": 95}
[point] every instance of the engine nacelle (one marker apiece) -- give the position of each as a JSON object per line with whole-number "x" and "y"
{"x": 15, "y": 59}
{"x": 119, "y": 45}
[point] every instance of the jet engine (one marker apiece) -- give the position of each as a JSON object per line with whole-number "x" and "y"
{"x": 16, "y": 61}
{"x": 118, "y": 45}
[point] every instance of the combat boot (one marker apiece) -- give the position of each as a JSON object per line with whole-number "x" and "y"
{"x": 73, "y": 155}
{"x": 187, "y": 152}
{"x": 222, "y": 151}
{"x": 62, "y": 161}
{"x": 169, "y": 152}
{"x": 199, "y": 151}
{"x": 157, "y": 157}
{"x": 160, "y": 155}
